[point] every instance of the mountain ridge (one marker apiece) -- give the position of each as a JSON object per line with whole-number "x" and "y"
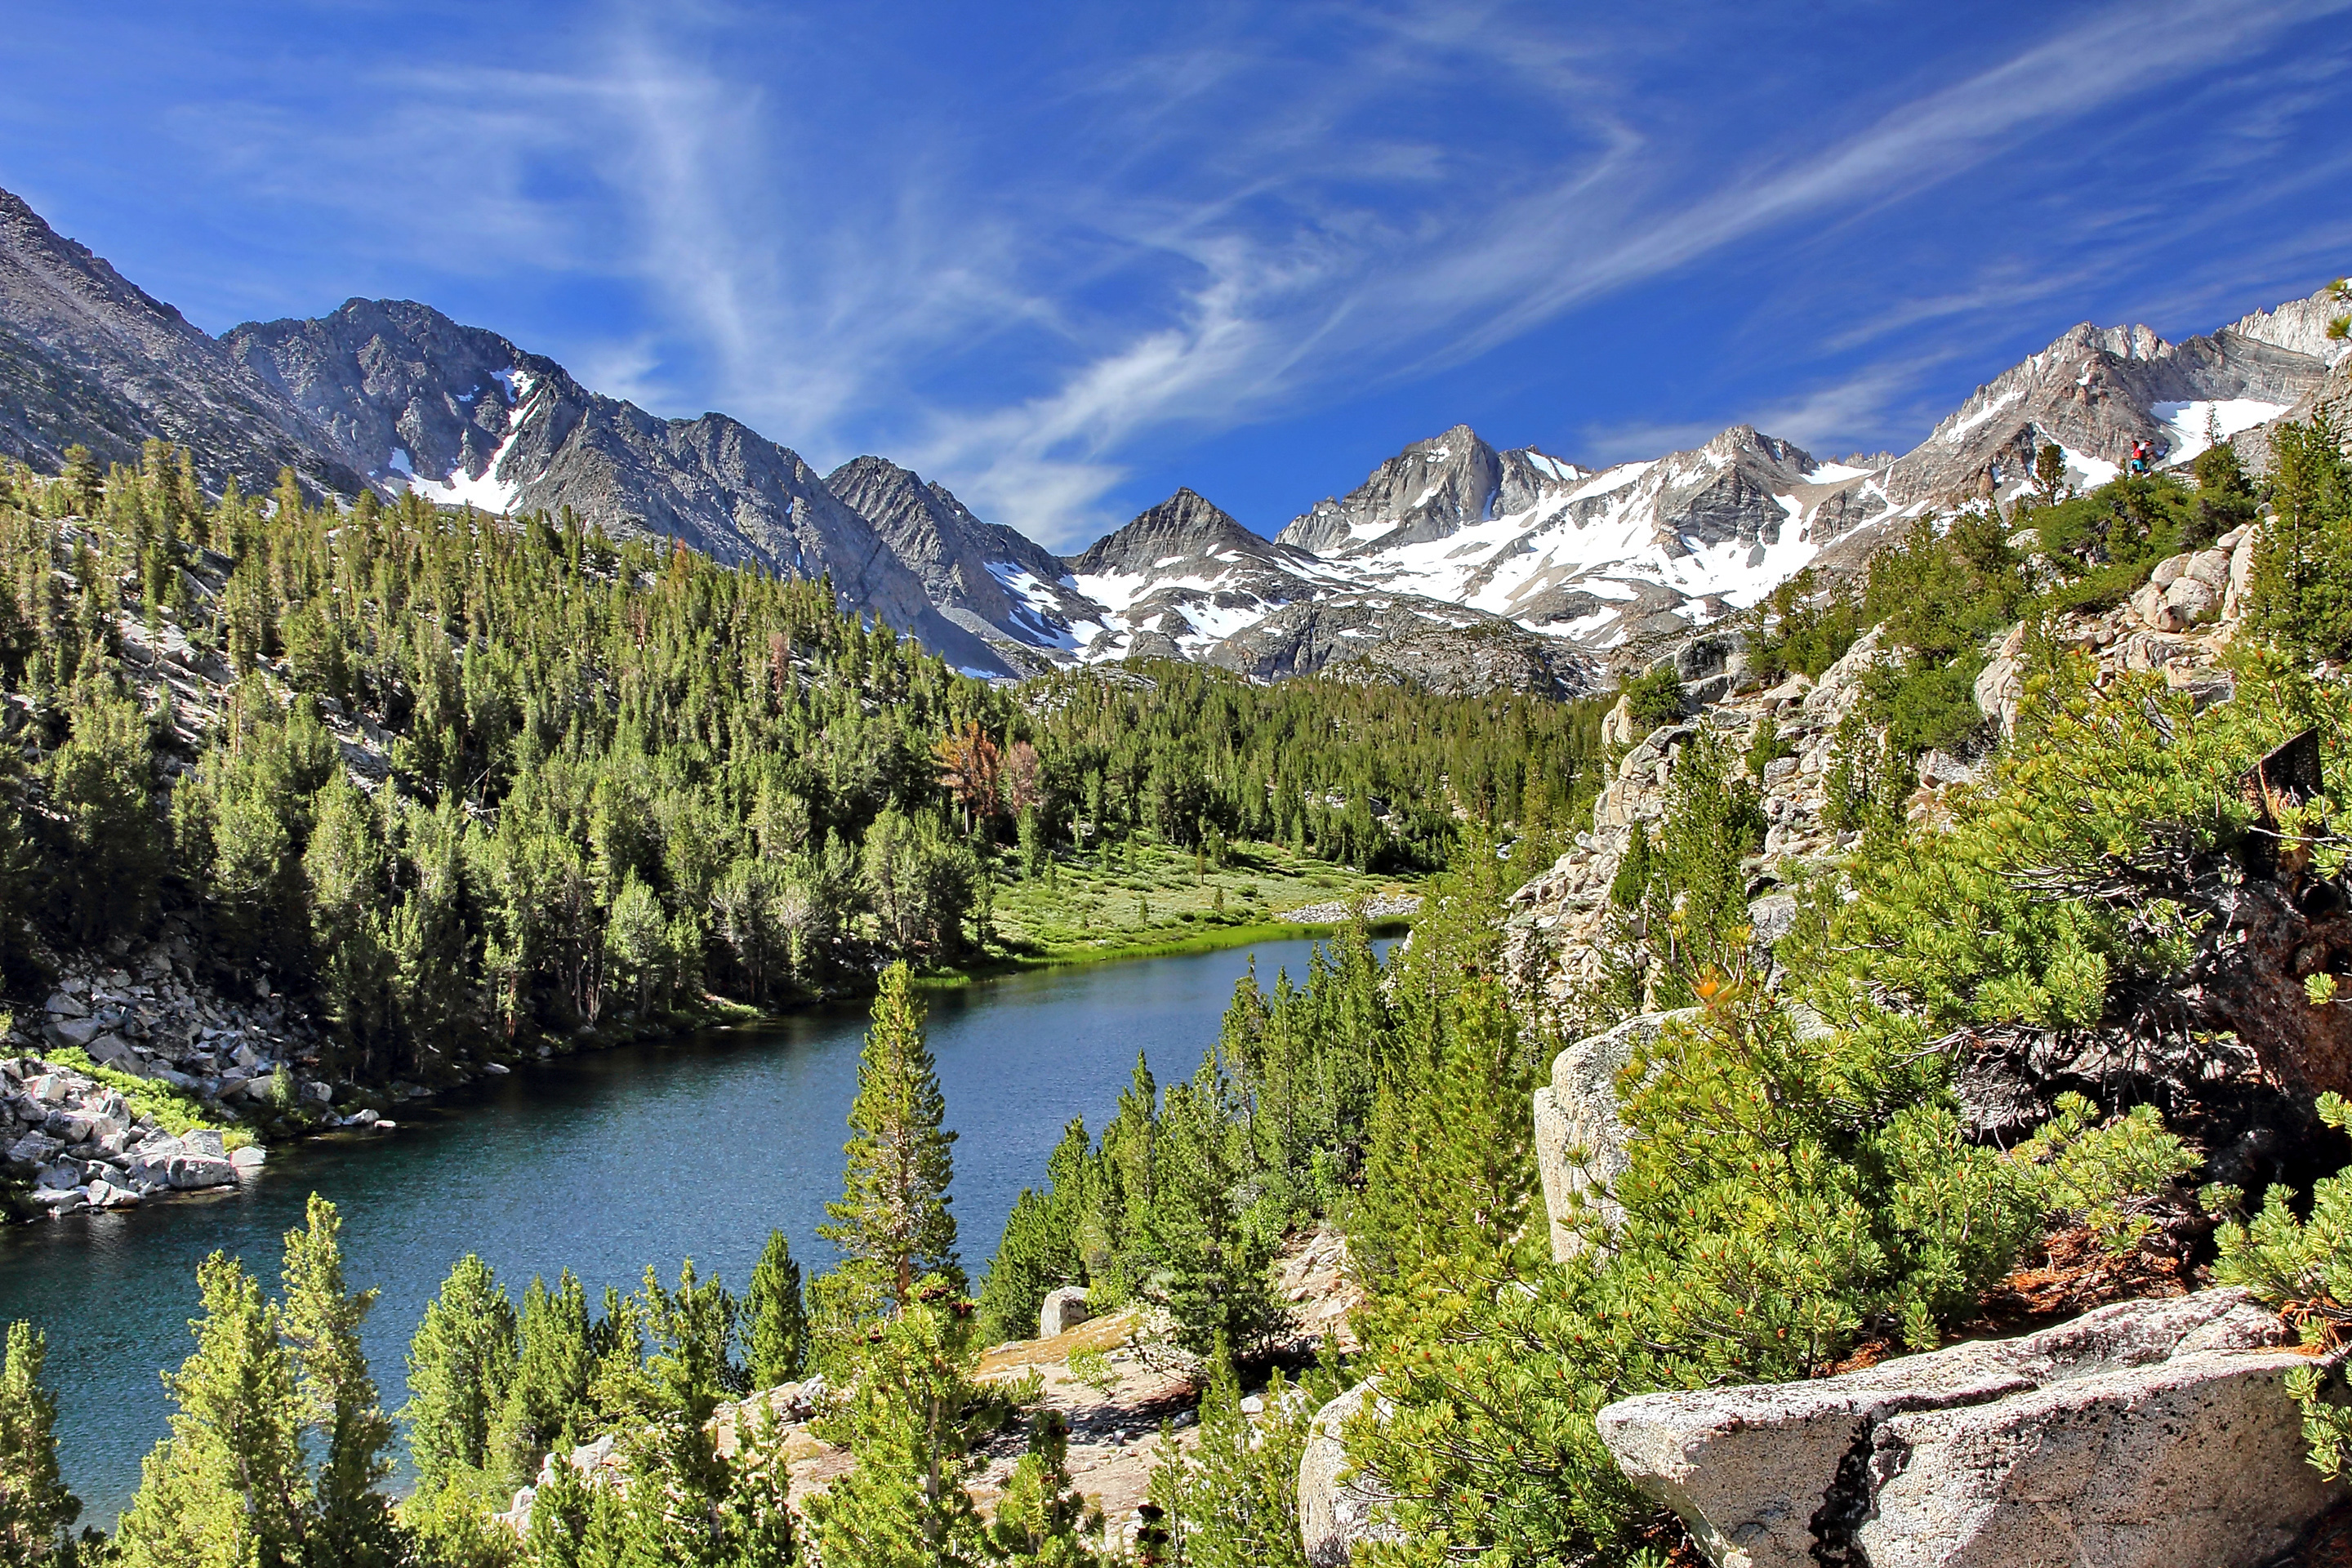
{"x": 1566, "y": 566}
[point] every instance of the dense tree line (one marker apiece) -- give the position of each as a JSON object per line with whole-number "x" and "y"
{"x": 1372, "y": 775}
{"x": 607, "y": 778}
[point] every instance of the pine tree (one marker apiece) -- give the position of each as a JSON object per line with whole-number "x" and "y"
{"x": 102, "y": 781}
{"x": 83, "y": 483}
{"x": 755, "y": 1522}
{"x": 1235, "y": 1493}
{"x": 226, "y": 1489}
{"x": 549, "y": 1396}
{"x": 912, "y": 1423}
{"x": 1042, "y": 1517}
{"x": 893, "y": 1213}
{"x": 1212, "y": 1263}
{"x": 459, "y": 1367}
{"x": 2049, "y": 471}
{"x": 776, "y": 1339}
{"x": 352, "y": 1525}
{"x": 1633, "y": 878}
{"x": 37, "y": 1511}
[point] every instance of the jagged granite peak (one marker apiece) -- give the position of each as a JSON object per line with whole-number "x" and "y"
{"x": 994, "y": 581}
{"x": 404, "y": 393}
{"x": 1185, "y": 529}
{"x": 461, "y": 415}
{"x": 1429, "y": 490}
{"x": 88, "y": 356}
{"x": 2095, "y": 391}
{"x": 1184, "y": 575}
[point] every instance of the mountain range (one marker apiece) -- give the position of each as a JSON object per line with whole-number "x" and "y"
{"x": 1454, "y": 564}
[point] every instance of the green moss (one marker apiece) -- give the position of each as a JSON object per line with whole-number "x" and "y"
{"x": 169, "y": 1108}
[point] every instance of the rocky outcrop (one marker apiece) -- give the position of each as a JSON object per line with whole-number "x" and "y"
{"x": 79, "y": 1145}
{"x": 1558, "y": 942}
{"x": 2142, "y": 1434}
{"x": 1580, "y": 1138}
{"x": 1336, "y": 1508}
{"x": 1065, "y": 1309}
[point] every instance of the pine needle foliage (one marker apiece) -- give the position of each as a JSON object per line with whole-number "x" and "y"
{"x": 2302, "y": 1264}
{"x": 893, "y": 1213}
{"x": 461, "y": 1364}
{"x": 37, "y": 1511}
{"x": 233, "y": 1485}
{"x": 1231, "y": 1498}
{"x": 775, "y": 1318}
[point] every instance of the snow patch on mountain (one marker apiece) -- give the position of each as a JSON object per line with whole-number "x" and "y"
{"x": 2192, "y": 424}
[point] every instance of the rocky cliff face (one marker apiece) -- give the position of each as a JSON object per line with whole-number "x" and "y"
{"x": 994, "y": 582}
{"x": 410, "y": 398}
{"x": 87, "y": 356}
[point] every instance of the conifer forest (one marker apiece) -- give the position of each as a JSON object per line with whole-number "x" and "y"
{"x": 1928, "y": 953}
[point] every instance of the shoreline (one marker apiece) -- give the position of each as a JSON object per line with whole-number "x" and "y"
{"x": 1009, "y": 965}
{"x": 363, "y": 1108}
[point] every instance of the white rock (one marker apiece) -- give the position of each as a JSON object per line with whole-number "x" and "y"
{"x": 2193, "y": 600}
{"x": 1065, "y": 1309}
{"x": 2146, "y": 1432}
{"x": 1334, "y": 1513}
{"x": 1579, "y": 1142}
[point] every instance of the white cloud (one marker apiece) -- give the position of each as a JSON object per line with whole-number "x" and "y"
{"x": 1204, "y": 236}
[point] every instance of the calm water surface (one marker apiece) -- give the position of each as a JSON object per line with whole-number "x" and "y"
{"x": 601, "y": 1162}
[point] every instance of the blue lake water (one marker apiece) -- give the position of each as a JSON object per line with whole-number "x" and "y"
{"x": 602, "y": 1163}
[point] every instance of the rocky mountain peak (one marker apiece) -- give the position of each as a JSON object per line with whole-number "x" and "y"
{"x": 89, "y": 357}
{"x": 1185, "y": 527}
{"x": 1430, "y": 491}
{"x": 984, "y": 577}
{"x": 404, "y": 394}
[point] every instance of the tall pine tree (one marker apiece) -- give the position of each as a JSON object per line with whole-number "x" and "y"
{"x": 893, "y": 1214}
{"x": 35, "y": 1509}
{"x": 335, "y": 1396}
{"x": 775, "y": 1335}
{"x": 459, "y": 1367}
{"x": 226, "y": 1489}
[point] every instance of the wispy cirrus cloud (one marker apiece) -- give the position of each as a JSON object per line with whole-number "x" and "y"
{"x": 1026, "y": 262}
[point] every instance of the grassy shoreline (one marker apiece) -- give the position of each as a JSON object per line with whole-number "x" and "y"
{"x": 998, "y": 966}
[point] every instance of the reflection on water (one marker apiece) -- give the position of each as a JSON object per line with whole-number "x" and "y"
{"x": 602, "y": 1163}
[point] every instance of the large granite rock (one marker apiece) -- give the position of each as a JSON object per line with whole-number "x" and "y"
{"x": 2142, "y": 1434}
{"x": 1580, "y": 1140}
{"x": 1336, "y": 1509}
{"x": 1065, "y": 1309}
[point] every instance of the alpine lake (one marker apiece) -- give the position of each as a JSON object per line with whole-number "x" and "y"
{"x": 602, "y": 1163}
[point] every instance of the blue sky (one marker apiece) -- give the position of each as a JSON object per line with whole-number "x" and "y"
{"x": 1067, "y": 257}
